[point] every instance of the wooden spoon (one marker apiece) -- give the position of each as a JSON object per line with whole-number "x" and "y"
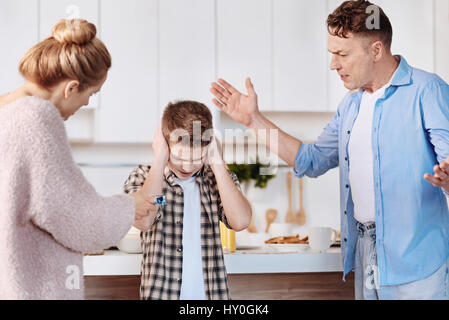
{"x": 290, "y": 216}
{"x": 270, "y": 216}
{"x": 301, "y": 214}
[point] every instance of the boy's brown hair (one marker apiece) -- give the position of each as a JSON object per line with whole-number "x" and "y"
{"x": 356, "y": 17}
{"x": 190, "y": 118}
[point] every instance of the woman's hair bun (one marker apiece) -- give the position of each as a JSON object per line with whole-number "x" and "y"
{"x": 72, "y": 52}
{"x": 74, "y": 31}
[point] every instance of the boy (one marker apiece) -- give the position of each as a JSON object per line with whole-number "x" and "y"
{"x": 182, "y": 253}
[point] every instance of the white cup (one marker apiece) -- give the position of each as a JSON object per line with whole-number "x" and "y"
{"x": 321, "y": 238}
{"x": 278, "y": 229}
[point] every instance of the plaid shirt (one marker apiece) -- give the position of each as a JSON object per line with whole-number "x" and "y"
{"x": 161, "y": 269}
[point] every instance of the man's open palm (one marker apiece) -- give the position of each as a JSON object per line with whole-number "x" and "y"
{"x": 238, "y": 106}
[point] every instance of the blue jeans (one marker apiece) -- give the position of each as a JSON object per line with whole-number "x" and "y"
{"x": 434, "y": 287}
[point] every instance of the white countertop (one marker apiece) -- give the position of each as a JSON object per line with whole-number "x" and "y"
{"x": 115, "y": 262}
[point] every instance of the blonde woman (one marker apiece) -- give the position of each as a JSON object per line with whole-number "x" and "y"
{"x": 49, "y": 213}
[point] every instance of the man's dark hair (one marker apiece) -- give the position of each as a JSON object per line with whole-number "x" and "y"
{"x": 356, "y": 17}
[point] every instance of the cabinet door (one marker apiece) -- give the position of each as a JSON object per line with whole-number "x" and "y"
{"x": 300, "y": 55}
{"x": 128, "y": 111}
{"x": 442, "y": 38}
{"x": 18, "y": 31}
{"x": 80, "y": 126}
{"x": 186, "y": 51}
{"x": 244, "y": 46}
{"x": 413, "y": 37}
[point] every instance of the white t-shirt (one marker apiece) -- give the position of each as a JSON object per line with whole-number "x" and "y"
{"x": 192, "y": 285}
{"x": 360, "y": 150}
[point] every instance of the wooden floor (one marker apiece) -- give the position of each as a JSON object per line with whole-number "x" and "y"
{"x": 279, "y": 286}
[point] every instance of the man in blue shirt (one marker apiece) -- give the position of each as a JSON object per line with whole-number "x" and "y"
{"x": 390, "y": 131}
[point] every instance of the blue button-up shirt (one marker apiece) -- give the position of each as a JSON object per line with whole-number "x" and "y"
{"x": 410, "y": 134}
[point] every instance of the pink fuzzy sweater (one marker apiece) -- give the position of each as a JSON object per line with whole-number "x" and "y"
{"x": 49, "y": 213}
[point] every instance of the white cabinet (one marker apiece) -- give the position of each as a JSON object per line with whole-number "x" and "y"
{"x": 413, "y": 35}
{"x": 442, "y": 38}
{"x": 244, "y": 46}
{"x": 186, "y": 51}
{"x": 281, "y": 45}
{"x": 300, "y": 58}
{"x": 129, "y": 109}
{"x": 18, "y": 33}
{"x": 80, "y": 126}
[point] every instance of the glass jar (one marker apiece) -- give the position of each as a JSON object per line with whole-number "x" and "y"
{"x": 227, "y": 238}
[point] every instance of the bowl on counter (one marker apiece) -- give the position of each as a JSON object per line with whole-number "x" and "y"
{"x": 287, "y": 247}
{"x": 130, "y": 244}
{"x": 246, "y": 240}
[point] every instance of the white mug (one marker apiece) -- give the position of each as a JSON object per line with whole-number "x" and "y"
{"x": 278, "y": 229}
{"x": 321, "y": 238}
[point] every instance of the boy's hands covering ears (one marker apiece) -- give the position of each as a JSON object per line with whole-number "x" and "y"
{"x": 214, "y": 153}
{"x": 160, "y": 146}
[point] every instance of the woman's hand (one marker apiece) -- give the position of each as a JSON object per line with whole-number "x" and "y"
{"x": 242, "y": 108}
{"x": 143, "y": 224}
{"x": 144, "y": 206}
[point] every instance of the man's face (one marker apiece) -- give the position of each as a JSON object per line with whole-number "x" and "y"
{"x": 352, "y": 60}
{"x": 185, "y": 161}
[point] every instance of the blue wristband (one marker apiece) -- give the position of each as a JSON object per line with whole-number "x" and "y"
{"x": 160, "y": 200}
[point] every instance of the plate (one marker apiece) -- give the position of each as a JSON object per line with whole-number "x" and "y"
{"x": 287, "y": 247}
{"x": 247, "y": 247}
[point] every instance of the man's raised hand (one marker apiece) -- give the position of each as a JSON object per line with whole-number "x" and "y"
{"x": 242, "y": 108}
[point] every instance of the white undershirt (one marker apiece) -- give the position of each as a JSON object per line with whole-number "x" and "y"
{"x": 192, "y": 285}
{"x": 360, "y": 151}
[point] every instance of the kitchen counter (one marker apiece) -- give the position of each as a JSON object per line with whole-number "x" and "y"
{"x": 256, "y": 261}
